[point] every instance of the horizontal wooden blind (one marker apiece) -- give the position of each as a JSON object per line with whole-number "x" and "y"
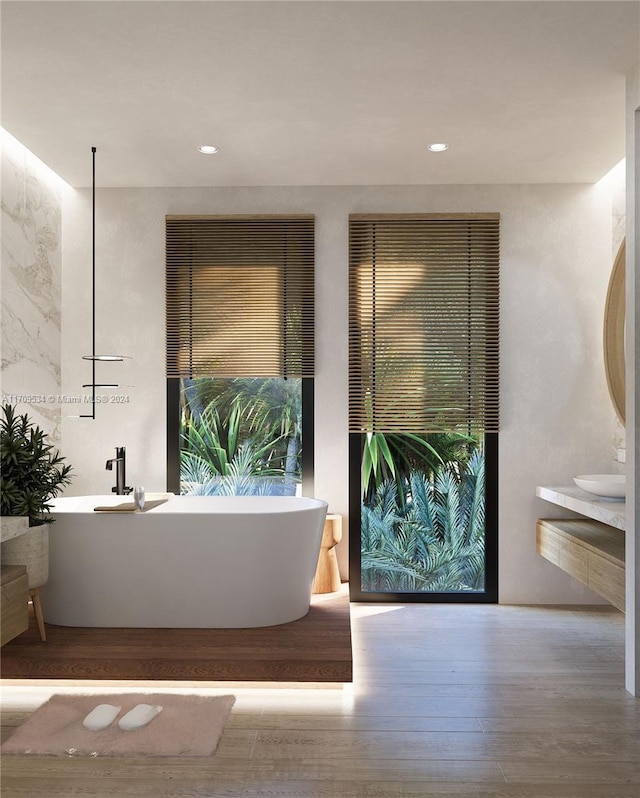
{"x": 423, "y": 323}
{"x": 240, "y": 296}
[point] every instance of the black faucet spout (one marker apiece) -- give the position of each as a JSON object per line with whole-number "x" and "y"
{"x": 121, "y": 462}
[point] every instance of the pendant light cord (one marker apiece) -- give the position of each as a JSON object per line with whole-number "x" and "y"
{"x": 92, "y": 414}
{"x": 93, "y": 357}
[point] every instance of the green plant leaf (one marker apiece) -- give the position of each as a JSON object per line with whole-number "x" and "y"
{"x": 432, "y": 542}
{"x": 31, "y": 471}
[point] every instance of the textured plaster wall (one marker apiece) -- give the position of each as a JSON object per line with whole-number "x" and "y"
{"x": 31, "y": 284}
{"x": 632, "y": 552}
{"x": 556, "y": 245}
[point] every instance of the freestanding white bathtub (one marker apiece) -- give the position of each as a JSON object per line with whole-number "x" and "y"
{"x": 192, "y": 562}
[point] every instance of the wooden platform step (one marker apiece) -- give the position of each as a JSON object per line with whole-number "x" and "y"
{"x": 316, "y": 648}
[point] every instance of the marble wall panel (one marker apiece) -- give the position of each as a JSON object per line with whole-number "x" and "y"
{"x": 31, "y": 280}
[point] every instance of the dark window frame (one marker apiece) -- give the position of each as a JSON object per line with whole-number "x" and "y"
{"x": 356, "y": 438}
{"x": 490, "y": 593}
{"x": 206, "y": 241}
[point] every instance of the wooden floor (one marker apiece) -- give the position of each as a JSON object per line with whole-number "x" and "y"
{"x": 447, "y": 700}
{"x": 316, "y": 648}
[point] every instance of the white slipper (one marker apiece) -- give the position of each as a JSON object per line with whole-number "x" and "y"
{"x": 100, "y": 717}
{"x": 139, "y": 716}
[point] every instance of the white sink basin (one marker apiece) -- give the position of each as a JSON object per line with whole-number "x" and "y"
{"x": 608, "y": 486}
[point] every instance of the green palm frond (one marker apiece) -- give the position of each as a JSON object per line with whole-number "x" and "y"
{"x": 432, "y": 541}
{"x": 245, "y": 475}
{"x": 220, "y": 415}
{"x": 477, "y": 513}
{"x": 397, "y": 455}
{"x": 239, "y": 479}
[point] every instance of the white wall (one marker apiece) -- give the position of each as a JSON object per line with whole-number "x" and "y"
{"x": 556, "y": 414}
{"x": 31, "y": 285}
{"x": 632, "y": 553}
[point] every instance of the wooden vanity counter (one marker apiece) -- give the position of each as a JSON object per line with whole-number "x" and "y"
{"x": 590, "y": 551}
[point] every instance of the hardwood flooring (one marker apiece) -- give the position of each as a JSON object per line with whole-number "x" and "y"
{"x": 316, "y": 648}
{"x": 447, "y": 700}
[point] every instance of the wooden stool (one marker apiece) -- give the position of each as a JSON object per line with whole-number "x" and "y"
{"x": 327, "y": 578}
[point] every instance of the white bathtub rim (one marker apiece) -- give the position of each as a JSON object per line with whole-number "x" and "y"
{"x": 174, "y": 504}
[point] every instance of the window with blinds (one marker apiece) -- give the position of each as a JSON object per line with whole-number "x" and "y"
{"x": 240, "y": 296}
{"x": 423, "y": 323}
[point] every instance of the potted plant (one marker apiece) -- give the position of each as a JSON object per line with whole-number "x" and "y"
{"x": 31, "y": 474}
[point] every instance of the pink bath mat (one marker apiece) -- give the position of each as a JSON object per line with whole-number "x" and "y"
{"x": 189, "y": 725}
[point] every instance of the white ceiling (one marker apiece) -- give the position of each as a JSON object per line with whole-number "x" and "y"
{"x": 319, "y": 93}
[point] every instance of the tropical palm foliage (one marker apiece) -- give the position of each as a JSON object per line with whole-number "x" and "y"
{"x": 241, "y": 435}
{"x": 396, "y": 455}
{"x": 242, "y": 476}
{"x": 431, "y": 540}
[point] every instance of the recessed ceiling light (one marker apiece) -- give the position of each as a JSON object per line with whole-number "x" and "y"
{"x": 207, "y": 149}
{"x": 438, "y": 147}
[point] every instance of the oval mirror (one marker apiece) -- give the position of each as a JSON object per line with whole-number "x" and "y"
{"x": 614, "y": 316}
